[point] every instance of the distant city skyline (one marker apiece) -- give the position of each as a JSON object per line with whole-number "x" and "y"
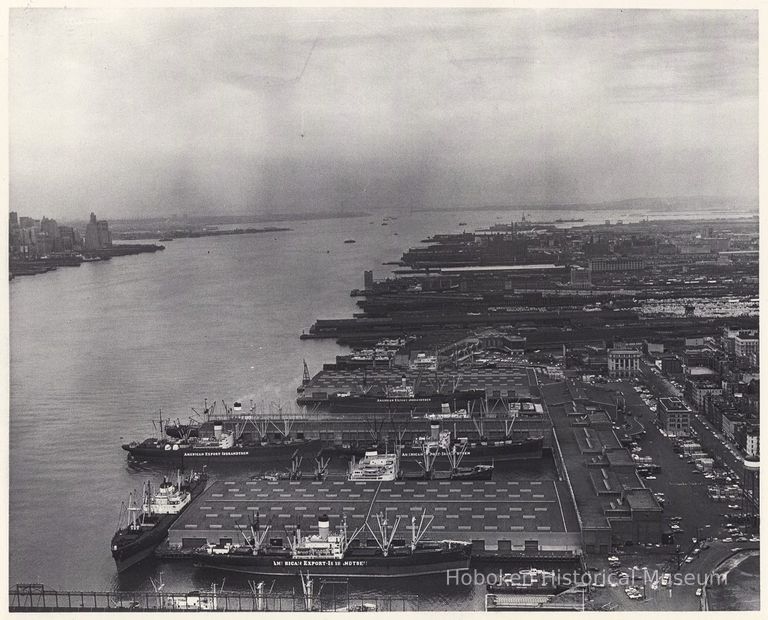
{"x": 234, "y": 111}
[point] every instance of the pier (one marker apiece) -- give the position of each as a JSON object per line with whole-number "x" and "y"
{"x": 513, "y": 519}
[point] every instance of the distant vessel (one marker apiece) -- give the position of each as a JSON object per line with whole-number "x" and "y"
{"x": 148, "y": 525}
{"x": 336, "y": 556}
{"x": 166, "y": 239}
{"x": 349, "y": 241}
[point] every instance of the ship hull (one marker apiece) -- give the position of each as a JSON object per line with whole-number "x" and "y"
{"x": 428, "y": 404}
{"x": 476, "y": 453}
{"x": 245, "y": 453}
{"x": 143, "y": 545}
{"x": 354, "y": 565}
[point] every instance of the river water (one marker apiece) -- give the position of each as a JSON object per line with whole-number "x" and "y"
{"x": 97, "y": 350}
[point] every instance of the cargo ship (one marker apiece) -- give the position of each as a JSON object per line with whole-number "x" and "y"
{"x": 476, "y": 451}
{"x": 375, "y": 467}
{"x": 223, "y": 445}
{"x": 395, "y": 399}
{"x": 335, "y": 555}
{"x": 148, "y": 526}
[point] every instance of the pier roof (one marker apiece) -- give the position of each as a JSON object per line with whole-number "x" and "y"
{"x": 514, "y": 510}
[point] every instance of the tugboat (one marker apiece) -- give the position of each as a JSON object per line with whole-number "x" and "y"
{"x": 336, "y": 556}
{"x": 148, "y": 525}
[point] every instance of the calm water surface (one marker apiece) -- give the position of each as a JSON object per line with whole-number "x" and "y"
{"x": 97, "y": 350}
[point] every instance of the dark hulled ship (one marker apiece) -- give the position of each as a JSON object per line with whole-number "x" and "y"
{"x": 223, "y": 445}
{"x": 336, "y": 555}
{"x": 402, "y": 398}
{"x": 148, "y": 525}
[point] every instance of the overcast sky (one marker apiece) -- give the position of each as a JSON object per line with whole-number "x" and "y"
{"x": 258, "y": 110}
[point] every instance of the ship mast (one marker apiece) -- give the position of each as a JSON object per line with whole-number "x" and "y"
{"x": 258, "y": 536}
{"x": 345, "y": 539}
{"x": 133, "y": 509}
{"x": 417, "y": 532}
{"x": 454, "y": 457}
{"x": 384, "y": 537}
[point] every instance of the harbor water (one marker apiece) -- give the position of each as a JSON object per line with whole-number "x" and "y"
{"x": 97, "y": 351}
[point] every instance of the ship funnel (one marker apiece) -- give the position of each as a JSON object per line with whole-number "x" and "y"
{"x": 217, "y": 428}
{"x": 323, "y": 527}
{"x": 434, "y": 430}
{"x": 404, "y": 381}
{"x": 445, "y": 408}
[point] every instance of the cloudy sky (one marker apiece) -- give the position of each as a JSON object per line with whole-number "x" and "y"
{"x": 257, "y": 110}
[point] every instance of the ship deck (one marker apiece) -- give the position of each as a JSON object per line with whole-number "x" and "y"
{"x": 494, "y": 515}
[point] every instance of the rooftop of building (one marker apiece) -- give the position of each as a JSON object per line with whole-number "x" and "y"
{"x": 673, "y": 403}
{"x": 642, "y": 499}
{"x": 461, "y": 510}
{"x": 594, "y": 459}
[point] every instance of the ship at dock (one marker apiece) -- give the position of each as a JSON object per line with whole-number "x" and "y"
{"x": 375, "y": 467}
{"x": 148, "y": 525}
{"x": 190, "y": 443}
{"x": 443, "y": 445}
{"x": 340, "y": 554}
{"x": 401, "y": 398}
{"x": 515, "y": 431}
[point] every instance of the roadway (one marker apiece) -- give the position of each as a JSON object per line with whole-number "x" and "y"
{"x": 711, "y": 440}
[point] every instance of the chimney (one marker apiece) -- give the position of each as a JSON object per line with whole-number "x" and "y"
{"x": 323, "y": 527}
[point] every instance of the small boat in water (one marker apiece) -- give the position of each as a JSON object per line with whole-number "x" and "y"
{"x": 349, "y": 241}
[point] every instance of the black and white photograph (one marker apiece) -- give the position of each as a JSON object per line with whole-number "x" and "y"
{"x": 366, "y": 309}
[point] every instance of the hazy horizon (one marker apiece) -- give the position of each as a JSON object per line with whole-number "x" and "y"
{"x": 153, "y": 112}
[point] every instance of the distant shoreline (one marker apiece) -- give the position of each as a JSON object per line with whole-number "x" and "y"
{"x": 191, "y": 222}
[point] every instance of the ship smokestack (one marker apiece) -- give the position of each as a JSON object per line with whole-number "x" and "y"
{"x": 434, "y": 430}
{"x": 445, "y": 408}
{"x": 217, "y": 428}
{"x": 323, "y": 527}
{"x": 404, "y": 381}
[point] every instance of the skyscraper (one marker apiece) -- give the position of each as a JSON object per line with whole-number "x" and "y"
{"x": 97, "y": 234}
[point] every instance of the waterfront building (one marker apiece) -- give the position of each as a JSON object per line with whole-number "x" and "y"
{"x": 613, "y": 505}
{"x": 623, "y": 362}
{"x": 674, "y": 416}
{"x": 68, "y": 238}
{"x": 49, "y": 232}
{"x": 97, "y": 234}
